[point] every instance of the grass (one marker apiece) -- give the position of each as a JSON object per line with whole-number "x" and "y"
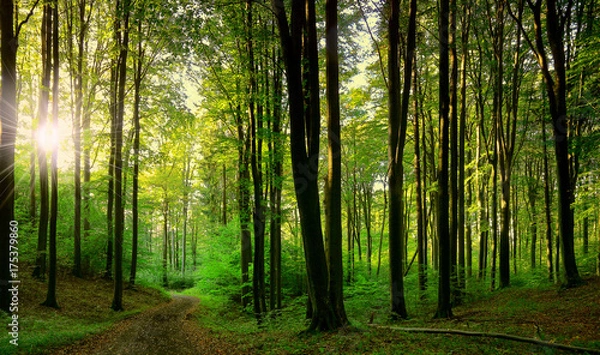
{"x": 569, "y": 316}
{"x": 566, "y": 316}
{"x": 85, "y": 310}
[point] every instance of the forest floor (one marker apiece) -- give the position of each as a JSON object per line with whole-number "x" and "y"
{"x": 212, "y": 325}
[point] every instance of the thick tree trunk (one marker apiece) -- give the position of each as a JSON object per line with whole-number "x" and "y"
{"x": 304, "y": 136}
{"x": 398, "y": 114}
{"x": 556, "y": 86}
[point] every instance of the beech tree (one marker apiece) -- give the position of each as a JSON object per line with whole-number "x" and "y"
{"x": 304, "y": 137}
{"x": 556, "y": 89}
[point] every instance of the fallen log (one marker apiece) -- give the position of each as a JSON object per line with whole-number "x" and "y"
{"x": 575, "y": 349}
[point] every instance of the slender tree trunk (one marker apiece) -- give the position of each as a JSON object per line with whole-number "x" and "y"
{"x": 244, "y": 207}
{"x": 444, "y": 308}
{"x": 224, "y": 196}
{"x": 275, "y": 192}
{"x": 77, "y": 118}
{"x": 165, "y": 243}
{"x": 333, "y": 207}
{"x": 532, "y": 194}
{"x": 44, "y": 139}
{"x": 258, "y": 275}
{"x": 123, "y": 20}
{"x": 421, "y": 219}
{"x": 453, "y": 159}
{"x": 482, "y": 211}
{"x": 137, "y": 83}
{"x": 465, "y": 24}
{"x": 547, "y": 209}
{"x": 51, "y": 295}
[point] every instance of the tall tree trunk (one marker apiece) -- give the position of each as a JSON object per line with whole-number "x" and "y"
{"x": 244, "y": 208}
{"x": 137, "y": 83}
{"x": 165, "y": 243}
{"x": 45, "y": 138}
{"x": 556, "y": 87}
{"x": 258, "y": 275}
{"x": 224, "y": 196}
{"x": 465, "y": 25}
{"x": 444, "y": 308}
{"x": 532, "y": 196}
{"x": 304, "y": 136}
{"x": 275, "y": 191}
{"x": 397, "y": 119}
{"x": 333, "y": 207}
{"x": 547, "y": 209}
{"x": 453, "y": 159}
{"x": 421, "y": 218}
{"x": 77, "y": 73}
{"x": 482, "y": 211}
{"x": 123, "y": 25}
{"x": 51, "y": 294}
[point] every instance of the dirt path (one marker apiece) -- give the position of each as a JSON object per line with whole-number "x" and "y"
{"x": 165, "y": 330}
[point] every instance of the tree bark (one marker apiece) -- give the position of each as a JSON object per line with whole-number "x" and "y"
{"x": 44, "y": 139}
{"x": 398, "y": 114}
{"x": 51, "y": 294}
{"x": 444, "y": 308}
{"x": 258, "y": 215}
{"x": 275, "y": 192}
{"x": 122, "y": 16}
{"x": 333, "y": 207}
{"x": 137, "y": 83}
{"x": 556, "y": 88}
{"x": 547, "y": 209}
{"x": 304, "y": 136}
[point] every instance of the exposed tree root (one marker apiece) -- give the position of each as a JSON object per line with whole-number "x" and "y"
{"x": 575, "y": 349}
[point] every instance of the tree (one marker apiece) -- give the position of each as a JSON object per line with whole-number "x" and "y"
{"x": 398, "y": 116}
{"x": 51, "y": 295}
{"x": 304, "y": 137}
{"x": 45, "y": 138}
{"x": 556, "y": 89}
{"x": 444, "y": 308}
{"x": 122, "y": 37}
{"x": 333, "y": 198}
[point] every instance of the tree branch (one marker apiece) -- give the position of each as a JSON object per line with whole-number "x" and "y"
{"x": 575, "y": 349}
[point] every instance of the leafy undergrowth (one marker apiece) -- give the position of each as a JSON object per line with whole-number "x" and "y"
{"x": 84, "y": 310}
{"x": 570, "y": 316}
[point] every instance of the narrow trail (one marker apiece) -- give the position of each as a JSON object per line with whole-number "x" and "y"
{"x": 165, "y": 330}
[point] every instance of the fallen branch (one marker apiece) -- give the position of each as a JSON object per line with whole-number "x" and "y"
{"x": 575, "y": 349}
